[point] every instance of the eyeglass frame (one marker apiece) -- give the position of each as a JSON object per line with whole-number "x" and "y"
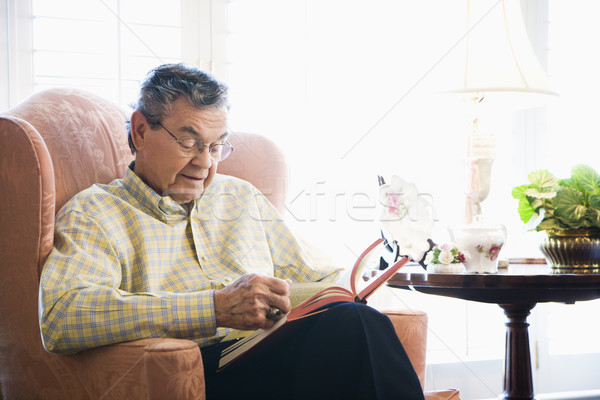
{"x": 200, "y": 145}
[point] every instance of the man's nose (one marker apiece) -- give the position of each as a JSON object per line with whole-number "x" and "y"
{"x": 203, "y": 159}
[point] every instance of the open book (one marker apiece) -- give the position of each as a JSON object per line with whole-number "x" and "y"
{"x": 313, "y": 297}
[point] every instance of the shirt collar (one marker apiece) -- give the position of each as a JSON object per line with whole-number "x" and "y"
{"x": 163, "y": 208}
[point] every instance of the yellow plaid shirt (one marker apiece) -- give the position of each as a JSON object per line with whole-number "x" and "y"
{"x": 130, "y": 264}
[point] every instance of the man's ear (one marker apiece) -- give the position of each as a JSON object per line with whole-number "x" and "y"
{"x": 139, "y": 128}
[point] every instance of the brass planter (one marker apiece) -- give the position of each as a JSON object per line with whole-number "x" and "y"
{"x": 575, "y": 251}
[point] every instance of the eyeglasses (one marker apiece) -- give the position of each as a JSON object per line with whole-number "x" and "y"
{"x": 217, "y": 151}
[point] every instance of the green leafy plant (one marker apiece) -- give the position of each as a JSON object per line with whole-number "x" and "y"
{"x": 549, "y": 203}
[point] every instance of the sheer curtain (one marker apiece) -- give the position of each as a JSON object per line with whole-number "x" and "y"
{"x": 573, "y": 137}
{"x": 349, "y": 90}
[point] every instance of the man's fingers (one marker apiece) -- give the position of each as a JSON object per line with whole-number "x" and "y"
{"x": 278, "y": 286}
{"x": 278, "y": 296}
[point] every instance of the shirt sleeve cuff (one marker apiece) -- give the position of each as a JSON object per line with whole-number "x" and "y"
{"x": 193, "y": 314}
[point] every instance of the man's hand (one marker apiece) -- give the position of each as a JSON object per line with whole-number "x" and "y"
{"x": 245, "y": 304}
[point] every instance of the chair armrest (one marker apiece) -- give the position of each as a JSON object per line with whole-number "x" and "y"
{"x": 156, "y": 368}
{"x": 174, "y": 370}
{"x": 411, "y": 328}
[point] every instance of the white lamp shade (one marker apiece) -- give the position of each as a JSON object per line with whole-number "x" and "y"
{"x": 499, "y": 63}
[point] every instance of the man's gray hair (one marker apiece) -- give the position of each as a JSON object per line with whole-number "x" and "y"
{"x": 166, "y": 83}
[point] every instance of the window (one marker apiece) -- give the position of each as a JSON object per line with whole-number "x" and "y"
{"x": 572, "y": 138}
{"x": 344, "y": 89}
{"x": 103, "y": 46}
{"x": 573, "y": 65}
{"x": 348, "y": 90}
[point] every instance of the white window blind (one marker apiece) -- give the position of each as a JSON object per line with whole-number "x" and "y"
{"x": 105, "y": 46}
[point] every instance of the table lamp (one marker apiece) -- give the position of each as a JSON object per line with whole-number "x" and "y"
{"x": 499, "y": 71}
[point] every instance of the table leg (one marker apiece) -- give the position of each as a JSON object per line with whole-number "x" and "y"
{"x": 518, "y": 380}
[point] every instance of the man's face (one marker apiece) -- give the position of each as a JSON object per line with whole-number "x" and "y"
{"x": 163, "y": 165}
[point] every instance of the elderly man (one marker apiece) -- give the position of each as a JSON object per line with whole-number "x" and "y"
{"x": 175, "y": 250}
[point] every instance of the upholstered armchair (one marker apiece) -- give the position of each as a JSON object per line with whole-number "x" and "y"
{"x": 53, "y": 145}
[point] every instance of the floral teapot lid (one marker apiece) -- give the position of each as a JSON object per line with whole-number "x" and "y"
{"x": 477, "y": 228}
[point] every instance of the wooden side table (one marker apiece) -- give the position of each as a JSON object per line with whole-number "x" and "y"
{"x": 516, "y": 290}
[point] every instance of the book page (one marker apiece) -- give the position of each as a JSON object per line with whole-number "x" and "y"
{"x": 302, "y": 291}
{"x": 329, "y": 295}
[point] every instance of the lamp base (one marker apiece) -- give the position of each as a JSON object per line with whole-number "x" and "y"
{"x": 479, "y": 173}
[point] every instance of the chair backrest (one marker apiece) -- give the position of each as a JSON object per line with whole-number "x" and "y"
{"x": 53, "y": 145}
{"x": 82, "y": 141}
{"x": 258, "y": 160}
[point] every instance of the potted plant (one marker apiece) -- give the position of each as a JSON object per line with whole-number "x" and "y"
{"x": 568, "y": 210}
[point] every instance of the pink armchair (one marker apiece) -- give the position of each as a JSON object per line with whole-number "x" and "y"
{"x": 53, "y": 145}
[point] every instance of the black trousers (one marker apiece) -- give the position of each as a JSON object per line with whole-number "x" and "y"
{"x": 349, "y": 351}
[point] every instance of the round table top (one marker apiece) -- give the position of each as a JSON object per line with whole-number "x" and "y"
{"x": 516, "y": 284}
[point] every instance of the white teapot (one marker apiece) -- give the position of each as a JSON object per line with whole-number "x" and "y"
{"x": 481, "y": 244}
